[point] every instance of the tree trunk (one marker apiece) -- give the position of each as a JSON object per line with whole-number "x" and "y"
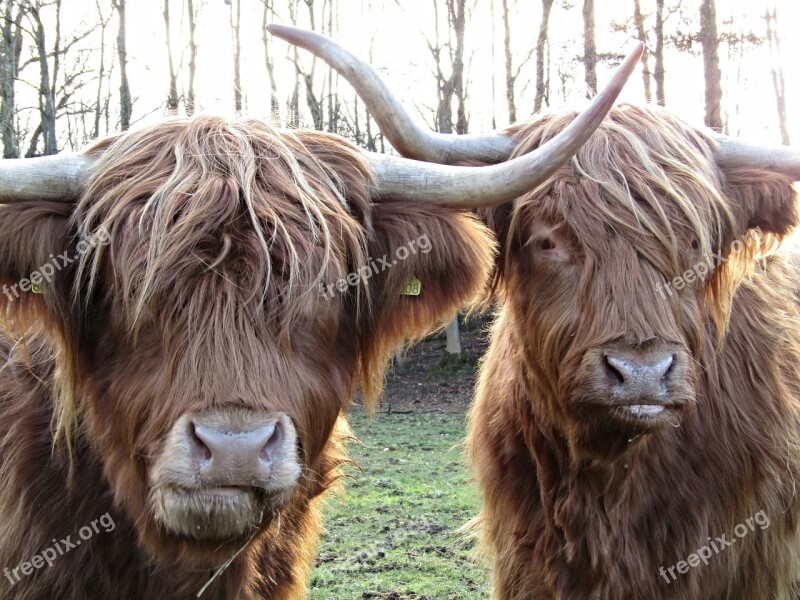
{"x": 125, "y": 104}
{"x": 447, "y": 88}
{"x": 541, "y": 45}
{"x": 773, "y": 39}
{"x": 172, "y": 94}
{"x": 589, "y": 49}
{"x": 190, "y": 94}
{"x": 293, "y": 116}
{"x": 709, "y": 39}
{"x": 10, "y": 51}
{"x": 510, "y": 79}
{"x": 98, "y": 106}
{"x": 659, "y": 54}
{"x": 47, "y": 109}
{"x": 458, "y": 23}
{"x": 274, "y": 105}
{"x": 453, "y": 337}
{"x": 333, "y": 78}
{"x": 236, "y": 20}
{"x": 641, "y": 34}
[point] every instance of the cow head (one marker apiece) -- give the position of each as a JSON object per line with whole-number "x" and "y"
{"x": 218, "y": 290}
{"x": 209, "y": 330}
{"x": 617, "y": 274}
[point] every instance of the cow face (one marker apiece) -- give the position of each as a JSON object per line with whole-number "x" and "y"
{"x": 208, "y": 346}
{"x": 619, "y": 273}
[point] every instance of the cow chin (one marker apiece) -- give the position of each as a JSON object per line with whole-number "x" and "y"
{"x": 216, "y": 514}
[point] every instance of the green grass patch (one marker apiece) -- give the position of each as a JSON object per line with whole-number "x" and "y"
{"x": 450, "y": 364}
{"x": 393, "y": 534}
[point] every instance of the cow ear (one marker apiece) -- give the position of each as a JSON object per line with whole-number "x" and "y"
{"x": 34, "y": 271}
{"x": 427, "y": 262}
{"x": 762, "y": 199}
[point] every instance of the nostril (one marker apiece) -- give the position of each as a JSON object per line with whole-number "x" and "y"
{"x": 614, "y": 369}
{"x": 199, "y": 446}
{"x": 273, "y": 437}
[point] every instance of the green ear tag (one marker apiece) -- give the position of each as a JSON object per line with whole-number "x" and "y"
{"x": 413, "y": 288}
{"x": 36, "y": 288}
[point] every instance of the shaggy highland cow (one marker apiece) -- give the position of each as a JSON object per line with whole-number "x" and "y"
{"x": 184, "y": 378}
{"x": 636, "y": 429}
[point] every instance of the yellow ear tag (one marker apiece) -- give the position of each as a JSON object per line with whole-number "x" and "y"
{"x": 36, "y": 288}
{"x": 413, "y": 288}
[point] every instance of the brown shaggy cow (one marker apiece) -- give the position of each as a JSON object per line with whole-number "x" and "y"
{"x": 636, "y": 430}
{"x": 191, "y": 365}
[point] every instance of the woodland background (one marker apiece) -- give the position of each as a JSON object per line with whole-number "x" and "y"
{"x": 75, "y": 70}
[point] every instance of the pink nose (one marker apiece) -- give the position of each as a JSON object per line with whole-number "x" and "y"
{"x": 234, "y": 454}
{"x": 636, "y": 375}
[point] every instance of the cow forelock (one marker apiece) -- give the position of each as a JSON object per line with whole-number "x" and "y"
{"x": 594, "y": 271}
{"x": 207, "y": 297}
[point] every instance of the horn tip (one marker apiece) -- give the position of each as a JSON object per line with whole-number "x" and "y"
{"x": 280, "y": 30}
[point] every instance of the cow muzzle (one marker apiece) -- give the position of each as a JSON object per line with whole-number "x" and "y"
{"x": 221, "y": 472}
{"x": 640, "y": 386}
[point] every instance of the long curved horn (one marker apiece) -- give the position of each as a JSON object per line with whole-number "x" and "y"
{"x": 780, "y": 159}
{"x": 495, "y": 184}
{"x": 408, "y": 135}
{"x": 58, "y": 178}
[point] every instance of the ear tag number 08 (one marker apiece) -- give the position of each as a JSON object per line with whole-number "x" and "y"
{"x": 413, "y": 288}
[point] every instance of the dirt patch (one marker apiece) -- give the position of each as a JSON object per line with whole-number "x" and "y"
{"x": 421, "y": 384}
{"x": 392, "y": 596}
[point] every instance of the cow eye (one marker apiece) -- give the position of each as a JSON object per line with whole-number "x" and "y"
{"x": 695, "y": 244}
{"x": 544, "y": 243}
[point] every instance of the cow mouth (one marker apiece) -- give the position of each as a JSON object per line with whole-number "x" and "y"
{"x": 643, "y": 415}
{"x": 214, "y": 513}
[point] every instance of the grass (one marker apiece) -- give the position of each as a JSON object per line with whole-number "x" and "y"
{"x": 393, "y": 534}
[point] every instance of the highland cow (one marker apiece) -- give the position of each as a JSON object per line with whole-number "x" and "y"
{"x": 186, "y": 379}
{"x": 636, "y": 428}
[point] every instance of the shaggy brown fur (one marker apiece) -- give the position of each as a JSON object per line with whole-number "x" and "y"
{"x": 575, "y": 506}
{"x": 207, "y": 296}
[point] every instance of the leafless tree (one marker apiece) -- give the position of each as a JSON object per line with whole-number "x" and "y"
{"x": 101, "y": 70}
{"x": 589, "y": 48}
{"x": 659, "y": 72}
{"x": 773, "y": 39}
{"x": 511, "y": 73}
{"x": 172, "y": 94}
{"x": 709, "y": 39}
{"x": 541, "y": 47}
{"x": 125, "y": 102}
{"x": 313, "y": 101}
{"x": 190, "y": 94}
{"x": 450, "y": 87}
{"x": 275, "y": 109}
{"x": 11, "y": 13}
{"x": 293, "y": 108}
{"x": 333, "y": 78}
{"x": 236, "y": 29}
{"x": 47, "y": 108}
{"x": 641, "y": 34}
